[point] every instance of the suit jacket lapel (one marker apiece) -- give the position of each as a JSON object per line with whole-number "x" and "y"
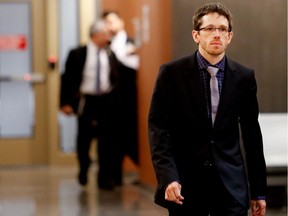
{"x": 194, "y": 83}
{"x": 228, "y": 91}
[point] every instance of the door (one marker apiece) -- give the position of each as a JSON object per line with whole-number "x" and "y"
{"x": 23, "y": 129}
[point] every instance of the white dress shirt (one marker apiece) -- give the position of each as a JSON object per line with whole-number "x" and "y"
{"x": 123, "y": 50}
{"x": 88, "y": 85}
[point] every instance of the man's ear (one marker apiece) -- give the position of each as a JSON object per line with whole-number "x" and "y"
{"x": 230, "y": 37}
{"x": 195, "y": 35}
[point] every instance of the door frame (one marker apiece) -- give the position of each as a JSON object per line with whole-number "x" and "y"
{"x": 44, "y": 146}
{"x": 25, "y": 151}
{"x": 87, "y": 14}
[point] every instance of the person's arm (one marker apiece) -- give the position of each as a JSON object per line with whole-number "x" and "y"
{"x": 70, "y": 81}
{"x": 126, "y": 51}
{"x": 253, "y": 145}
{"x": 159, "y": 126}
{"x": 131, "y": 61}
{"x": 130, "y": 58}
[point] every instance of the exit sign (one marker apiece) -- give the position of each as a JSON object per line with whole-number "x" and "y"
{"x": 13, "y": 42}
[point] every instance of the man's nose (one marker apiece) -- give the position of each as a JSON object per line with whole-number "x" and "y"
{"x": 216, "y": 32}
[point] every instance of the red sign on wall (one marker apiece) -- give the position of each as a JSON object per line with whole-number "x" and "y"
{"x": 13, "y": 42}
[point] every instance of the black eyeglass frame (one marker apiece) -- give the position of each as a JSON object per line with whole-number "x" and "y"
{"x": 213, "y": 29}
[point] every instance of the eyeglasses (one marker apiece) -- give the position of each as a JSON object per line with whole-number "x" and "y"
{"x": 210, "y": 30}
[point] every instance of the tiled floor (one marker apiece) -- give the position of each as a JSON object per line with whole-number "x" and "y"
{"x": 54, "y": 191}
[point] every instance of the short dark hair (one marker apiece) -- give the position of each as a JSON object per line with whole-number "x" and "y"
{"x": 107, "y": 12}
{"x": 211, "y": 8}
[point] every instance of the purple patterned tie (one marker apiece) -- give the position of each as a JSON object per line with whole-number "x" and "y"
{"x": 214, "y": 91}
{"x": 98, "y": 65}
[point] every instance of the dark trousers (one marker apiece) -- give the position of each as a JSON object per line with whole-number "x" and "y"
{"x": 207, "y": 196}
{"x": 99, "y": 120}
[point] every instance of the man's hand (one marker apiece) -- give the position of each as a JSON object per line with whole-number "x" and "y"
{"x": 66, "y": 109}
{"x": 258, "y": 207}
{"x": 173, "y": 193}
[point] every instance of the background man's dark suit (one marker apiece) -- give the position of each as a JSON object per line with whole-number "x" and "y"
{"x": 125, "y": 50}
{"x": 178, "y": 123}
{"x": 128, "y": 97}
{"x": 105, "y": 111}
{"x": 71, "y": 79}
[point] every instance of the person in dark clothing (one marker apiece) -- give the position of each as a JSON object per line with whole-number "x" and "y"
{"x": 126, "y": 52}
{"x": 90, "y": 89}
{"x": 194, "y": 121}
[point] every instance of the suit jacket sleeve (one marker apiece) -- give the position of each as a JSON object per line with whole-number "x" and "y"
{"x": 252, "y": 140}
{"x": 159, "y": 131}
{"x": 71, "y": 78}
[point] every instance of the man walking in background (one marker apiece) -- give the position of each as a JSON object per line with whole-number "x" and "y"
{"x": 126, "y": 53}
{"x": 90, "y": 88}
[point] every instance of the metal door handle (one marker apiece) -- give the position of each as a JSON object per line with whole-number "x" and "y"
{"x": 32, "y": 78}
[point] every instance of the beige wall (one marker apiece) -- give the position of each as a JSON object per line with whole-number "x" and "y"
{"x": 87, "y": 15}
{"x": 259, "y": 42}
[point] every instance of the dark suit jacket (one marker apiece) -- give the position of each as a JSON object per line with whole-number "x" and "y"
{"x": 123, "y": 81}
{"x": 72, "y": 77}
{"x": 128, "y": 99}
{"x": 181, "y": 135}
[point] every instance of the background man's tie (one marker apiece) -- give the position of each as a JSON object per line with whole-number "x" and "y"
{"x": 214, "y": 91}
{"x": 98, "y": 65}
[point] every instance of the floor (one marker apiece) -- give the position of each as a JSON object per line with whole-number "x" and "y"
{"x": 54, "y": 191}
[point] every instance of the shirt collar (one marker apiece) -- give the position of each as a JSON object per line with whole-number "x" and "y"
{"x": 203, "y": 63}
{"x": 92, "y": 46}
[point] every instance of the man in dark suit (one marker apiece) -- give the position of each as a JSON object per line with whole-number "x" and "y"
{"x": 125, "y": 50}
{"x": 90, "y": 90}
{"x": 197, "y": 157}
